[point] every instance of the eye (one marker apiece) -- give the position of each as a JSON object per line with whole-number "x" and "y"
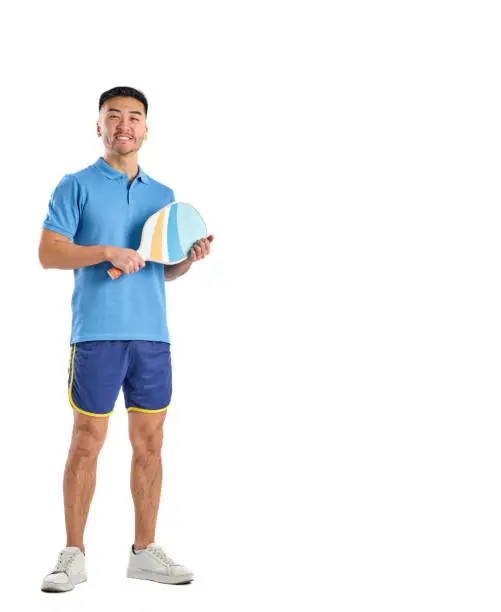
{"x": 135, "y": 119}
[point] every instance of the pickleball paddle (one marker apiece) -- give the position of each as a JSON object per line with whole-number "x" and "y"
{"x": 169, "y": 234}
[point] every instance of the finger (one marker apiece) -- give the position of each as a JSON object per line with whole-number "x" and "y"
{"x": 204, "y": 246}
{"x": 198, "y": 249}
{"x": 210, "y": 238}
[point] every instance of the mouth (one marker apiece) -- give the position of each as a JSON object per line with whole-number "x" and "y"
{"x": 124, "y": 138}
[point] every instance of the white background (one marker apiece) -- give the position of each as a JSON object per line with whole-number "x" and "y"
{"x": 333, "y": 441}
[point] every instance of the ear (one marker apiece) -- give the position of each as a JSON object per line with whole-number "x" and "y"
{"x": 98, "y": 129}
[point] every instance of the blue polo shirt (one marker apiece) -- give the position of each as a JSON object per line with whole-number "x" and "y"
{"x": 96, "y": 206}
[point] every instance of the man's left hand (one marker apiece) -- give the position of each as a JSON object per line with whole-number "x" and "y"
{"x": 200, "y": 249}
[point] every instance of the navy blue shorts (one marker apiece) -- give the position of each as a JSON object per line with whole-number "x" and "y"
{"x": 99, "y": 369}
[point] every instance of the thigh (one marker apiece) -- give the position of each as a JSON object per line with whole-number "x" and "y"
{"x": 148, "y": 382}
{"x": 145, "y": 427}
{"x": 88, "y": 431}
{"x": 96, "y": 373}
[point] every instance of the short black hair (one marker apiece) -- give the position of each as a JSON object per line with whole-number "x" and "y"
{"x": 124, "y": 92}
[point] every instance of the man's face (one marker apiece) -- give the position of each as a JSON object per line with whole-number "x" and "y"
{"x": 122, "y": 125}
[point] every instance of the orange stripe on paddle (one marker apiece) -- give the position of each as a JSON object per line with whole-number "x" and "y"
{"x": 156, "y": 241}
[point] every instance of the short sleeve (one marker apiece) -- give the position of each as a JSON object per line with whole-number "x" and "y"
{"x": 64, "y": 211}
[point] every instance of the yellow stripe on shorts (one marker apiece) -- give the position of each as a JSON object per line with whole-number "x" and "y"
{"x": 70, "y": 389}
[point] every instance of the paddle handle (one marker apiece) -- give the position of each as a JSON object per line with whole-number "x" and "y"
{"x": 114, "y": 273}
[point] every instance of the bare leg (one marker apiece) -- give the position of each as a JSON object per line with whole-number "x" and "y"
{"x": 79, "y": 483}
{"x": 146, "y": 436}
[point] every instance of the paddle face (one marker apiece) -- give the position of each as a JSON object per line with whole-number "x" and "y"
{"x": 170, "y": 233}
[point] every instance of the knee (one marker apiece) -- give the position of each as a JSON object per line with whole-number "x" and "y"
{"x": 147, "y": 443}
{"x": 87, "y": 442}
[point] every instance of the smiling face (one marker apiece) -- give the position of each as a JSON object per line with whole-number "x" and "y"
{"x": 122, "y": 125}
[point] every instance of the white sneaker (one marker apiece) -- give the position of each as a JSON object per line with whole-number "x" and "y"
{"x": 152, "y": 563}
{"x": 69, "y": 571}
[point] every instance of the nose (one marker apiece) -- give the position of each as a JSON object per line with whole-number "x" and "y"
{"x": 124, "y": 123}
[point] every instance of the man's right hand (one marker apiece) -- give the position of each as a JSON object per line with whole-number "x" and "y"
{"x": 127, "y": 260}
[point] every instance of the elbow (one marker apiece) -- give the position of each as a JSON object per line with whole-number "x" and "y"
{"x": 43, "y": 258}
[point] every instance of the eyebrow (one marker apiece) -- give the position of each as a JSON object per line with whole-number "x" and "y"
{"x": 117, "y": 110}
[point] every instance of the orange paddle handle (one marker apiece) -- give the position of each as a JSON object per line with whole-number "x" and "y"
{"x": 114, "y": 273}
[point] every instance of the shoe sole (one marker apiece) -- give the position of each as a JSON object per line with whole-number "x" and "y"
{"x": 145, "y": 575}
{"x": 50, "y": 587}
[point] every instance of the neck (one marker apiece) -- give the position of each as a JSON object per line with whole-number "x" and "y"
{"x": 123, "y": 163}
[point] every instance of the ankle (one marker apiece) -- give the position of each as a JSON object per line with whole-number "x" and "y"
{"x": 80, "y": 546}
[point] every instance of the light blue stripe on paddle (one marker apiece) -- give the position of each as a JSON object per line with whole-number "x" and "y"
{"x": 192, "y": 227}
{"x": 173, "y": 243}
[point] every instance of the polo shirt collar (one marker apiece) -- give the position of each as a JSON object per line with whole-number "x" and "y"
{"x": 112, "y": 173}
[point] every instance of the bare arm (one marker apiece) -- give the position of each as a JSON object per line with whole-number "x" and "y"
{"x": 56, "y": 251}
{"x": 173, "y": 272}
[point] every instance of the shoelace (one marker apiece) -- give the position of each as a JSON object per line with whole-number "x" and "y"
{"x": 64, "y": 561}
{"x": 160, "y": 554}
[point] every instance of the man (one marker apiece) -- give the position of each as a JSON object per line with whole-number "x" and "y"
{"x": 119, "y": 336}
